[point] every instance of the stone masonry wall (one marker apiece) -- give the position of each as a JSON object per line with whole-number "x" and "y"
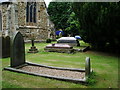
{"x": 4, "y": 10}
{"x": 21, "y": 14}
{"x": 41, "y": 21}
{"x": 40, "y": 28}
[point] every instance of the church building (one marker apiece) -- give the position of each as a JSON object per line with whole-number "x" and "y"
{"x": 30, "y": 17}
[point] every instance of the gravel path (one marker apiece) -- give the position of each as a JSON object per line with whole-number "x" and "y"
{"x": 54, "y": 72}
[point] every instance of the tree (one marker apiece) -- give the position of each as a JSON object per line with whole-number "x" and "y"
{"x": 73, "y": 25}
{"x": 58, "y": 12}
{"x": 99, "y": 23}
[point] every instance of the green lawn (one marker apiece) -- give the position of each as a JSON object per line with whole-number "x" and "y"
{"x": 104, "y": 65}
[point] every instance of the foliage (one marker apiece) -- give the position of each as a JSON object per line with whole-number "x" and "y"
{"x": 59, "y": 13}
{"x": 91, "y": 79}
{"x": 48, "y": 40}
{"x": 73, "y": 25}
{"x": 64, "y": 18}
{"x": 99, "y": 23}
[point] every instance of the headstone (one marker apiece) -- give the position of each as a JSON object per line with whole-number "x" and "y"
{"x": 0, "y": 47}
{"x": 17, "y": 50}
{"x": 5, "y": 46}
{"x": 87, "y": 67}
{"x": 0, "y": 20}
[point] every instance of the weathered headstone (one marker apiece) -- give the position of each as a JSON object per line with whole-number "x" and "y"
{"x": 7, "y": 42}
{"x": 5, "y": 46}
{"x": 17, "y": 50}
{"x": 87, "y": 67}
{"x": 0, "y": 20}
{"x": 0, "y": 47}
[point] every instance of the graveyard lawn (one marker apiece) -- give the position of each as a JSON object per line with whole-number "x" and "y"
{"x": 104, "y": 65}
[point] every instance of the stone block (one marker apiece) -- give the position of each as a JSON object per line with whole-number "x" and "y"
{"x": 62, "y": 48}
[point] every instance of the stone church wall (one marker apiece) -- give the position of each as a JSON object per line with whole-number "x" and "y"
{"x": 40, "y": 29}
{"x": 4, "y": 10}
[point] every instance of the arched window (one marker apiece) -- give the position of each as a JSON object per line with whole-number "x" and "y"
{"x": 31, "y": 12}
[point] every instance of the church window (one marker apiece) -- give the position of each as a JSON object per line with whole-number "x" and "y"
{"x": 31, "y": 12}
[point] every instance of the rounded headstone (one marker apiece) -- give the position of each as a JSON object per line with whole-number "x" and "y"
{"x": 17, "y": 50}
{"x": 0, "y": 47}
{"x": 3, "y": 47}
{"x": 7, "y": 46}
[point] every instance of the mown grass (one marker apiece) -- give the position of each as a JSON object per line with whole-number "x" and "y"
{"x": 104, "y": 65}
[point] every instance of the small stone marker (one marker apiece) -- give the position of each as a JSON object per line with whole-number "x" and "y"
{"x": 87, "y": 67}
{"x": 17, "y": 50}
{"x": 33, "y": 49}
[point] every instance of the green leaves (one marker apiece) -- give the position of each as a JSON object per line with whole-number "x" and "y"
{"x": 59, "y": 13}
{"x": 73, "y": 25}
{"x": 98, "y": 23}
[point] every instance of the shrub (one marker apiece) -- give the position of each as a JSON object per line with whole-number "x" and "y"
{"x": 91, "y": 80}
{"x": 48, "y": 41}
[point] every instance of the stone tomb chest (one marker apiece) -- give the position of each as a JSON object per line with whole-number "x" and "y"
{"x": 62, "y": 48}
{"x": 68, "y": 40}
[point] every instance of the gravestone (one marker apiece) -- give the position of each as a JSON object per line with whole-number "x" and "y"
{"x": 0, "y": 47}
{"x": 0, "y": 20}
{"x": 17, "y": 50}
{"x": 87, "y": 67}
{"x": 7, "y": 42}
{"x": 5, "y": 46}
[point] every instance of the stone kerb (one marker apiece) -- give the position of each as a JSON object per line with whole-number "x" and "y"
{"x": 17, "y": 50}
{"x": 87, "y": 67}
